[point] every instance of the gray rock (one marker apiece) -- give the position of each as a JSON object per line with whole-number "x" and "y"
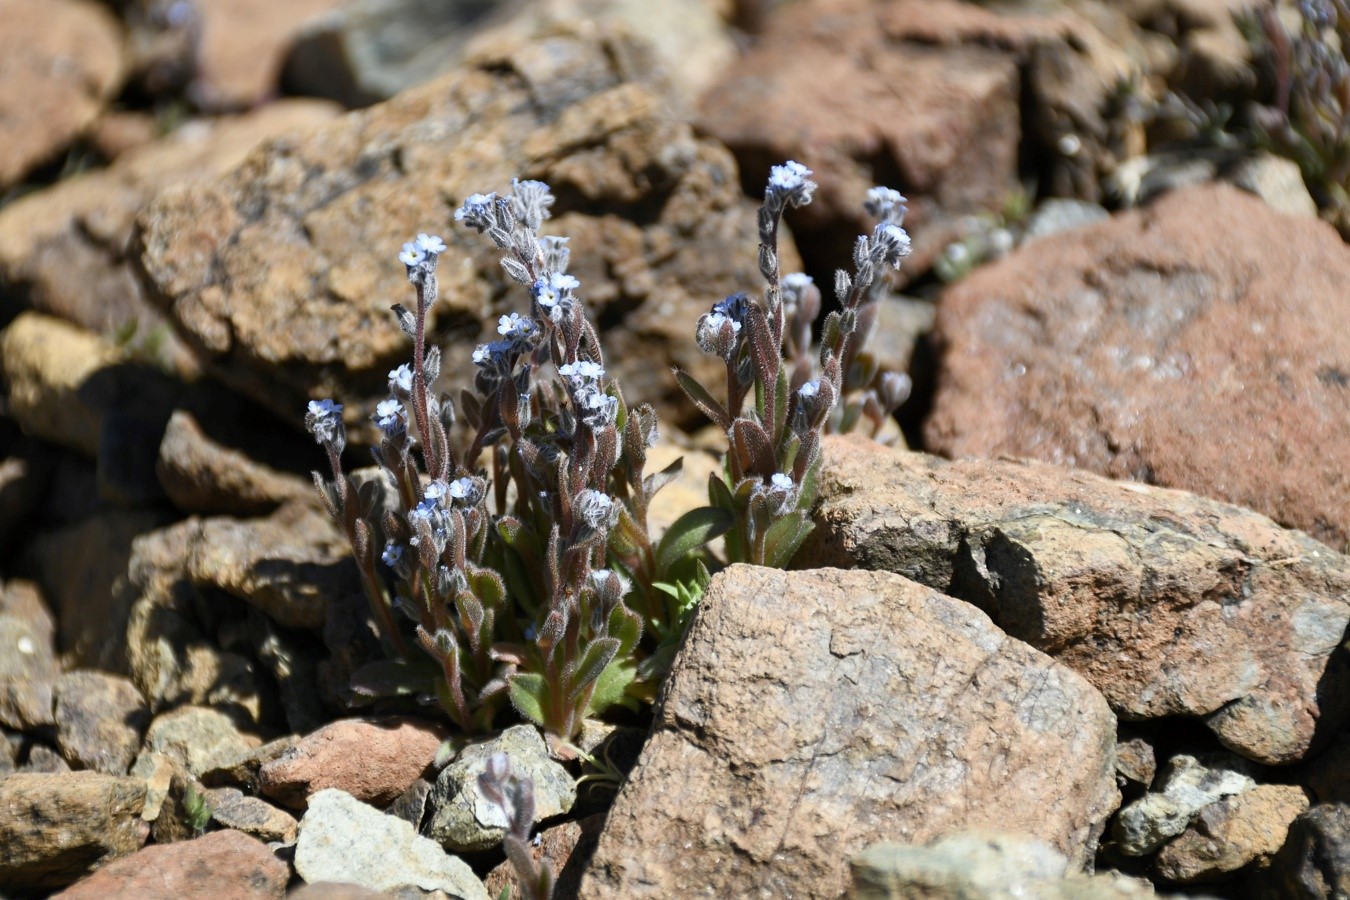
{"x": 44, "y": 760}
{"x": 198, "y": 737}
{"x": 1187, "y": 787}
{"x": 1136, "y": 762}
{"x": 462, "y": 819}
{"x": 344, "y": 840}
{"x": 1315, "y": 861}
{"x": 99, "y": 720}
{"x": 1061, "y": 214}
{"x": 811, "y": 714}
{"x": 241, "y": 769}
{"x": 1276, "y": 180}
{"x": 1238, "y": 833}
{"x": 54, "y": 828}
{"x": 251, "y": 815}
{"x": 981, "y": 866}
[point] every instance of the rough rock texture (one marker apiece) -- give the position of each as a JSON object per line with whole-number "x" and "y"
{"x": 810, "y": 714}
{"x": 1188, "y": 786}
{"x": 233, "y": 809}
{"x": 1169, "y": 603}
{"x": 373, "y": 760}
{"x": 220, "y": 864}
{"x": 241, "y": 770}
{"x": 344, "y": 840}
{"x": 979, "y": 866}
{"x": 243, "y": 47}
{"x": 60, "y": 61}
{"x": 282, "y": 272}
{"x": 1315, "y": 861}
{"x": 197, "y": 737}
{"x": 461, "y": 818}
{"x": 287, "y": 566}
{"x": 99, "y": 720}
{"x": 1235, "y": 832}
{"x": 200, "y": 475}
{"x": 28, "y": 672}
{"x": 371, "y": 50}
{"x": 922, "y": 95}
{"x": 66, "y": 248}
{"x": 55, "y": 828}
{"x": 1177, "y": 345}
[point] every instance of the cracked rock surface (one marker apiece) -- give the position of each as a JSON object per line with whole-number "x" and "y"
{"x": 1169, "y": 603}
{"x": 811, "y": 714}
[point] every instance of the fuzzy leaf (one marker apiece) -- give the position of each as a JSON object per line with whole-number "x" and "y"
{"x": 752, "y": 441}
{"x": 784, "y": 537}
{"x": 691, "y": 531}
{"x": 611, "y": 688}
{"x": 593, "y": 662}
{"x": 702, "y": 399}
{"x": 527, "y": 696}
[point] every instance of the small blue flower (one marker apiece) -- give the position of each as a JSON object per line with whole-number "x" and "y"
{"x": 788, "y": 177}
{"x": 392, "y": 554}
{"x": 516, "y": 327}
{"x": 581, "y": 372}
{"x": 810, "y": 389}
{"x": 324, "y": 421}
{"x": 391, "y": 417}
{"x": 430, "y": 244}
{"x": 882, "y": 201}
{"x": 401, "y": 379}
{"x": 476, "y": 211}
{"x": 435, "y": 491}
{"x": 424, "y": 510}
{"x": 596, "y": 509}
{"x": 461, "y": 489}
{"x": 492, "y": 355}
{"x": 781, "y": 482}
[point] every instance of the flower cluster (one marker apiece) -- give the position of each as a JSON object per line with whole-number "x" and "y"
{"x": 774, "y": 455}
{"x": 519, "y": 563}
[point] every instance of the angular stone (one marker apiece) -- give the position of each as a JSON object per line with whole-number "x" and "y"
{"x": 1162, "y": 346}
{"x": 1232, "y": 834}
{"x": 56, "y": 828}
{"x": 43, "y": 760}
{"x": 287, "y": 566}
{"x": 462, "y": 818}
{"x": 197, "y": 737}
{"x": 28, "y": 671}
{"x": 258, "y": 818}
{"x": 1187, "y": 787}
{"x": 69, "y": 247}
{"x": 344, "y": 840}
{"x": 46, "y": 364}
{"x": 62, "y": 62}
{"x": 1169, "y": 603}
{"x": 810, "y": 714}
{"x": 821, "y": 86}
{"x": 369, "y": 51}
{"x": 281, "y": 273}
{"x": 202, "y": 476}
{"x": 99, "y": 720}
{"x": 241, "y": 770}
{"x": 1315, "y": 861}
{"x": 220, "y": 864}
{"x": 373, "y": 760}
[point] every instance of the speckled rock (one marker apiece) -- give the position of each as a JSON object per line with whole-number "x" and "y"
{"x": 60, "y": 62}
{"x": 258, "y": 818}
{"x": 461, "y": 818}
{"x": 1233, "y": 834}
{"x": 198, "y": 737}
{"x": 56, "y": 828}
{"x": 220, "y": 864}
{"x": 28, "y": 672}
{"x": 200, "y": 475}
{"x": 1176, "y": 345}
{"x": 1315, "y": 861}
{"x": 99, "y": 720}
{"x": 1169, "y": 603}
{"x": 282, "y": 272}
{"x": 1188, "y": 786}
{"x": 883, "y": 709}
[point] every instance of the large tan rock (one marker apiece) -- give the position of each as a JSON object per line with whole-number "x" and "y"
{"x": 811, "y": 714}
{"x": 67, "y": 247}
{"x": 1232, "y": 834}
{"x": 60, "y": 61}
{"x": 56, "y": 828}
{"x": 1169, "y": 603}
{"x": 1200, "y": 343}
{"x": 201, "y": 475}
{"x": 282, "y": 272}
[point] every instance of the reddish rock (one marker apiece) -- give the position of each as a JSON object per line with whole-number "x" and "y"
{"x": 922, "y": 95}
{"x": 60, "y": 61}
{"x": 566, "y": 847}
{"x": 1200, "y": 343}
{"x": 281, "y": 273}
{"x": 1237, "y": 832}
{"x": 217, "y": 865}
{"x": 374, "y": 760}
{"x": 810, "y": 714}
{"x": 1170, "y": 604}
{"x": 99, "y": 720}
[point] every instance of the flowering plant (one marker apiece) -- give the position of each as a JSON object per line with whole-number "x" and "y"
{"x": 523, "y": 567}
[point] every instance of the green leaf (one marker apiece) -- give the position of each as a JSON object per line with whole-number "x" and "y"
{"x": 611, "y": 688}
{"x": 784, "y": 537}
{"x": 691, "y": 531}
{"x": 653, "y": 483}
{"x": 527, "y": 695}
{"x": 702, "y": 399}
{"x": 593, "y": 662}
